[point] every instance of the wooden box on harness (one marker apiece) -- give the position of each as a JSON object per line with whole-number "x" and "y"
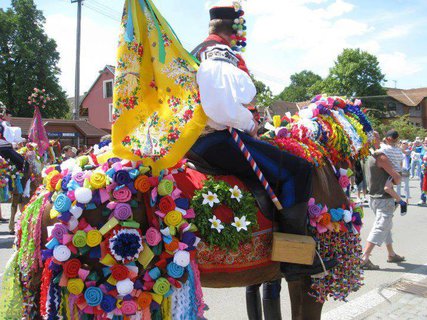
{"x": 293, "y": 248}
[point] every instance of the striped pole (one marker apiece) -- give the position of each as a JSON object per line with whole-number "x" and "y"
{"x": 255, "y": 167}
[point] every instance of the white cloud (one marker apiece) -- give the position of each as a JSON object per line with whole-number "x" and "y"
{"x": 397, "y": 65}
{"x": 98, "y": 48}
{"x": 395, "y": 32}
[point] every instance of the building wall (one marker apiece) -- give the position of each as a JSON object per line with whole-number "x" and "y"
{"x": 98, "y": 106}
{"x": 424, "y": 112}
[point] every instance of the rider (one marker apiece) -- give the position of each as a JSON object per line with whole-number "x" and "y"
{"x": 226, "y": 88}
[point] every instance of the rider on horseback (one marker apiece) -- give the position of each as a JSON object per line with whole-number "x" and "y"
{"x": 226, "y": 89}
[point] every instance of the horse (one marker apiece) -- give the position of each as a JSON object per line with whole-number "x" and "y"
{"x": 325, "y": 189}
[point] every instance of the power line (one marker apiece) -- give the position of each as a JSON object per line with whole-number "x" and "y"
{"x": 100, "y": 11}
{"x": 103, "y": 8}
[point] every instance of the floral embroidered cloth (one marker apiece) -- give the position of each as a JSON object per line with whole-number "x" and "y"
{"x": 157, "y": 113}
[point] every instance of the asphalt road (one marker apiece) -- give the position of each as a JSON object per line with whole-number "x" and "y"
{"x": 410, "y": 236}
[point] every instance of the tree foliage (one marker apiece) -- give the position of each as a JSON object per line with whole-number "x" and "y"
{"x": 28, "y": 59}
{"x": 406, "y": 130}
{"x": 264, "y": 95}
{"x": 356, "y": 73}
{"x": 303, "y": 87}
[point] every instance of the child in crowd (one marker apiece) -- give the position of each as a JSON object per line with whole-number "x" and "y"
{"x": 395, "y": 155}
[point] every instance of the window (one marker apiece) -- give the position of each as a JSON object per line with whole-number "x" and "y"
{"x": 108, "y": 89}
{"x": 418, "y": 108}
{"x": 110, "y": 112}
{"x": 392, "y": 106}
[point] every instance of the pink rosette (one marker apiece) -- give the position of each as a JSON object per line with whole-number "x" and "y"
{"x": 129, "y": 307}
{"x": 123, "y": 211}
{"x": 344, "y": 181}
{"x": 122, "y": 194}
{"x": 153, "y": 236}
{"x": 59, "y": 230}
{"x": 79, "y": 178}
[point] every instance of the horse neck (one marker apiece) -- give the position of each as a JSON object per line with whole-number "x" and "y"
{"x": 326, "y": 189}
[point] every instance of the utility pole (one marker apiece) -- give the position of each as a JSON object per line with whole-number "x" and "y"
{"x": 395, "y": 83}
{"x": 77, "y": 76}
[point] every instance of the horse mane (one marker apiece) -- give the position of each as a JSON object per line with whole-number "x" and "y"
{"x": 326, "y": 189}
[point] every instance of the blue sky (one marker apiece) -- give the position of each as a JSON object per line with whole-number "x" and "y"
{"x": 285, "y": 36}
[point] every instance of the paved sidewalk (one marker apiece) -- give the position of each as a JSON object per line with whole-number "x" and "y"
{"x": 389, "y": 301}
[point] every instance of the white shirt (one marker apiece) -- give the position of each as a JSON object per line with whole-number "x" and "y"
{"x": 11, "y": 134}
{"x": 224, "y": 89}
{"x": 394, "y": 154}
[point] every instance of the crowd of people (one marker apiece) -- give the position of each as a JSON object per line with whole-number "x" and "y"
{"x": 409, "y": 159}
{"x": 30, "y": 172}
{"x": 390, "y": 163}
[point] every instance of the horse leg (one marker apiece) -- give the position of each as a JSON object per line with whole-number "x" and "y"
{"x": 271, "y": 300}
{"x": 304, "y": 307}
{"x": 296, "y": 296}
{"x": 312, "y": 309}
{"x": 253, "y": 302}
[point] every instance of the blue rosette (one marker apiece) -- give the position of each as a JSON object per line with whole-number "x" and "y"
{"x": 62, "y": 203}
{"x": 93, "y": 296}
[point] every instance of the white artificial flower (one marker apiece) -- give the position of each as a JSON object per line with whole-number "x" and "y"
{"x": 236, "y": 193}
{"x": 241, "y": 223}
{"x": 210, "y": 198}
{"x": 216, "y": 224}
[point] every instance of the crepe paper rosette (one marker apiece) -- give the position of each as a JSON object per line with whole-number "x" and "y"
{"x": 322, "y": 219}
{"x": 328, "y": 129}
{"x": 242, "y": 219}
{"x": 139, "y": 270}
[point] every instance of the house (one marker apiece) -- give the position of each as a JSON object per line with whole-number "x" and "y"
{"x": 69, "y": 132}
{"x": 282, "y": 107}
{"x": 97, "y": 104}
{"x": 70, "y": 101}
{"x": 412, "y": 101}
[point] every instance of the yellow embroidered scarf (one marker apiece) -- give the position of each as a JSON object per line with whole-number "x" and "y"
{"x": 157, "y": 115}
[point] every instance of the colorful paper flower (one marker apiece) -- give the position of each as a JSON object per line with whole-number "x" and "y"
{"x": 241, "y": 223}
{"x": 216, "y": 224}
{"x": 126, "y": 244}
{"x": 210, "y": 198}
{"x": 236, "y": 193}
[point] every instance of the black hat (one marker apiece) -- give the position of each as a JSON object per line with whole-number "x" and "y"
{"x": 392, "y": 134}
{"x": 223, "y": 13}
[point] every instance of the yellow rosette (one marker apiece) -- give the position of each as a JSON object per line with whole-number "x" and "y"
{"x": 98, "y": 180}
{"x": 75, "y": 286}
{"x": 173, "y": 218}
{"x": 94, "y": 238}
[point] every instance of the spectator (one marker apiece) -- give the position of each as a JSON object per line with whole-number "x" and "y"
{"x": 360, "y": 181}
{"x": 2, "y": 220}
{"x": 423, "y": 200}
{"x": 416, "y": 158}
{"x": 69, "y": 152}
{"x": 406, "y": 167}
{"x": 395, "y": 155}
{"x": 378, "y": 170}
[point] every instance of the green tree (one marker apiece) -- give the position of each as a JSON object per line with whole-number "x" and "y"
{"x": 303, "y": 87}
{"x": 28, "y": 59}
{"x": 264, "y": 95}
{"x": 406, "y": 130}
{"x": 356, "y": 73}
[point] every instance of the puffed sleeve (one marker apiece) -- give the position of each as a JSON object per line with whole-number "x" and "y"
{"x": 223, "y": 90}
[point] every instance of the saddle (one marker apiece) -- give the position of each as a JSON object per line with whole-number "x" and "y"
{"x": 261, "y": 196}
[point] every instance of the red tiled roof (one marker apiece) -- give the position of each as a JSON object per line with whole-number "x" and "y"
{"x": 84, "y": 127}
{"x": 410, "y": 98}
